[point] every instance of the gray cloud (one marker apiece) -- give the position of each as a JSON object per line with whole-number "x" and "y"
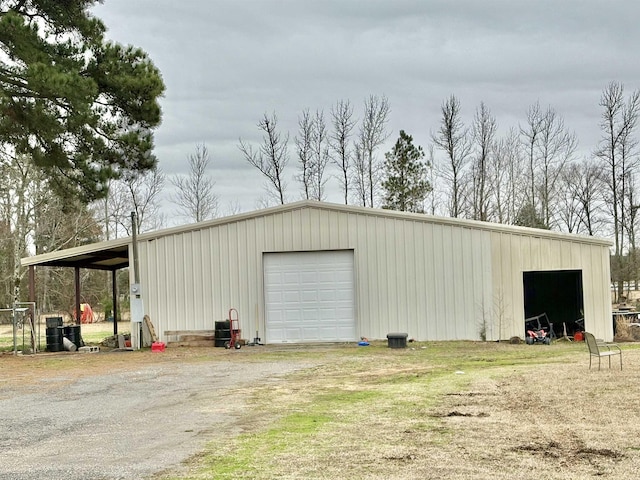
{"x": 227, "y": 62}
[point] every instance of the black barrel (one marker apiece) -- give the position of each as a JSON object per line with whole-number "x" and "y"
{"x": 73, "y": 334}
{"x": 222, "y": 333}
{"x": 54, "y": 339}
{"x": 53, "y": 322}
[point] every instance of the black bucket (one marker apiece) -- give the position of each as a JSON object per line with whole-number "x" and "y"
{"x": 54, "y": 339}
{"x": 397, "y": 340}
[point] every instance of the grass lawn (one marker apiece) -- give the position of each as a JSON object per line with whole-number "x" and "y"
{"x": 435, "y": 410}
{"x": 92, "y": 333}
{"x": 455, "y": 410}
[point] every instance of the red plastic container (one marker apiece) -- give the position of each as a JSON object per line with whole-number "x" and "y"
{"x": 157, "y": 347}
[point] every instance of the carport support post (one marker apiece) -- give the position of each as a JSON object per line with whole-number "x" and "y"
{"x": 32, "y": 284}
{"x": 114, "y": 292}
{"x": 77, "y": 282}
{"x": 32, "y": 306}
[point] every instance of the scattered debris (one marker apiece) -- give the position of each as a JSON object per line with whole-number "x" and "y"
{"x": 89, "y": 349}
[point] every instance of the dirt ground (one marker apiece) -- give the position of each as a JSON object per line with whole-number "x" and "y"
{"x": 552, "y": 419}
{"x": 135, "y": 414}
{"x": 119, "y": 414}
{"x": 554, "y": 422}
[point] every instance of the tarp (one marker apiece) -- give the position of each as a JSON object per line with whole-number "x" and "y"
{"x": 86, "y": 313}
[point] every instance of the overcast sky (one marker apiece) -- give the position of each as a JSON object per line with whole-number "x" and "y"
{"x": 227, "y": 62}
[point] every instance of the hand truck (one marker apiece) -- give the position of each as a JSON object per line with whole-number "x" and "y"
{"x": 234, "y": 327}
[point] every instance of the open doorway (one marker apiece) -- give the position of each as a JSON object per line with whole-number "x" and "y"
{"x": 558, "y": 293}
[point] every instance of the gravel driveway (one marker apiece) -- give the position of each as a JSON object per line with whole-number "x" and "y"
{"x": 129, "y": 424}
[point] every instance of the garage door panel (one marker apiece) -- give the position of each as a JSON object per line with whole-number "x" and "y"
{"x": 291, "y": 333}
{"x": 273, "y": 298}
{"x": 309, "y": 297}
{"x": 307, "y": 278}
{"x": 342, "y": 296}
{"x": 291, "y": 315}
{"x": 310, "y": 315}
{"x": 290, "y": 278}
{"x": 326, "y": 277}
{"x": 289, "y": 296}
{"x": 327, "y": 295}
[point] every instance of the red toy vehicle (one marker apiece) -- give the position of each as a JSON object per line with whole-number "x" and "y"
{"x": 538, "y": 336}
{"x": 536, "y": 333}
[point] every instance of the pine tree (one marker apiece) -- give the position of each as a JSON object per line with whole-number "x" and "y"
{"x": 82, "y": 108}
{"x": 405, "y": 183}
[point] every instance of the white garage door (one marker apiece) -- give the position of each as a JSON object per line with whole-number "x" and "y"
{"x": 309, "y": 297}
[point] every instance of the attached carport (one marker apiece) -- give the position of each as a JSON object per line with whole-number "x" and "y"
{"x": 110, "y": 256}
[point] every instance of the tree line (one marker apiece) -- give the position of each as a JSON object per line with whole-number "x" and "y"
{"x": 528, "y": 174}
{"x": 35, "y": 219}
{"x": 77, "y": 121}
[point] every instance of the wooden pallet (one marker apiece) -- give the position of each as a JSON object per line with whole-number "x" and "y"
{"x": 189, "y": 338}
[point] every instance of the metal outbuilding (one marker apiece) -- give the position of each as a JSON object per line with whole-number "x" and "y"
{"x": 320, "y": 272}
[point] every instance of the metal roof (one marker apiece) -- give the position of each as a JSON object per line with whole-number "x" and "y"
{"x": 114, "y": 254}
{"x": 110, "y": 255}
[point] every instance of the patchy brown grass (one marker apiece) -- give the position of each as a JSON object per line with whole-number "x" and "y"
{"x": 438, "y": 410}
{"x": 444, "y": 414}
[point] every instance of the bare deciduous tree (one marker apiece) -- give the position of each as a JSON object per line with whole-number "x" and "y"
{"x": 135, "y": 192}
{"x": 484, "y": 131}
{"x": 343, "y": 124}
{"x": 372, "y": 134}
{"x": 453, "y": 138}
{"x": 272, "y": 156}
{"x": 312, "y": 145}
{"x": 145, "y": 192}
{"x": 582, "y": 184}
{"x": 304, "y": 141}
{"x": 33, "y": 219}
{"x": 507, "y": 174}
{"x": 194, "y": 195}
{"x": 619, "y": 121}
{"x": 568, "y": 201}
{"x": 590, "y": 182}
{"x": 62, "y": 224}
{"x": 556, "y": 149}
{"x": 549, "y": 146}
{"x": 359, "y": 175}
{"x": 530, "y": 133}
{"x": 433, "y": 197}
{"x": 321, "y": 156}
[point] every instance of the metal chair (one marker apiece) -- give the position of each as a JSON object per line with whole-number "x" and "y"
{"x": 601, "y": 349}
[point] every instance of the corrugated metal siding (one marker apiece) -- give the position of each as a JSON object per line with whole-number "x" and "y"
{"x": 514, "y": 254}
{"x": 434, "y": 281}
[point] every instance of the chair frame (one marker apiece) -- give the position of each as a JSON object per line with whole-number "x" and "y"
{"x": 601, "y": 349}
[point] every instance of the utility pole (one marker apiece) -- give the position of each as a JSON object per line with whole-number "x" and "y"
{"x": 137, "y": 306}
